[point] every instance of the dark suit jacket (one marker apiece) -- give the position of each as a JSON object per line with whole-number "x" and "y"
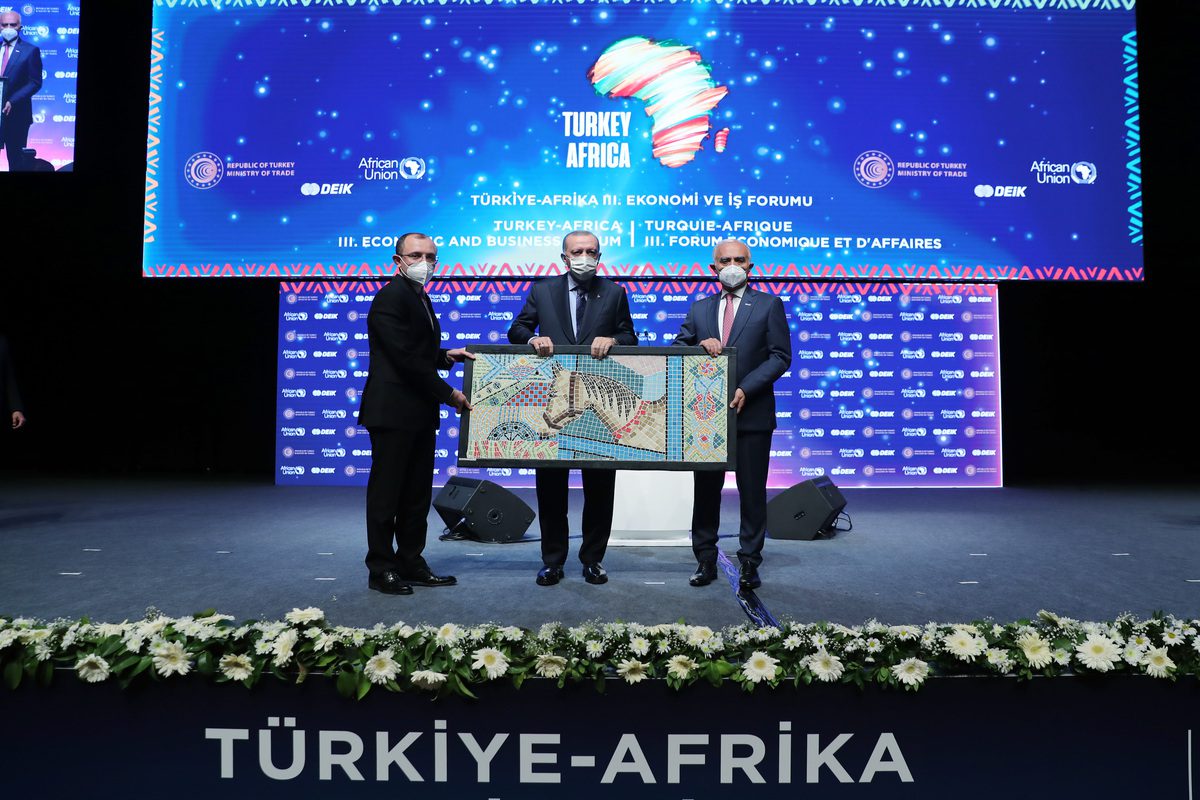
{"x": 24, "y": 75}
{"x": 764, "y": 349}
{"x": 546, "y": 313}
{"x": 10, "y": 400}
{"x": 403, "y": 388}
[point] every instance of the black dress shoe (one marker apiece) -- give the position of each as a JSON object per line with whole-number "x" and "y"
{"x": 388, "y": 582}
{"x": 706, "y": 573}
{"x": 749, "y": 578}
{"x": 426, "y": 578}
{"x": 548, "y": 576}
{"x": 594, "y": 573}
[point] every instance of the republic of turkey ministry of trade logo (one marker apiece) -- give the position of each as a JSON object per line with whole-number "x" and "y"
{"x": 874, "y": 169}
{"x": 204, "y": 170}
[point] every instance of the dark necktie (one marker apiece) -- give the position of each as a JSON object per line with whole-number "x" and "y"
{"x": 580, "y": 307}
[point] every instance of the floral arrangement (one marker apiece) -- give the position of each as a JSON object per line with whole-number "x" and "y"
{"x": 451, "y": 658}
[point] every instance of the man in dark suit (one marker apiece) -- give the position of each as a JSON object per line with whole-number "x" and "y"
{"x": 577, "y": 308}
{"x": 21, "y": 66}
{"x": 755, "y": 325}
{"x": 10, "y": 398}
{"x": 400, "y": 410}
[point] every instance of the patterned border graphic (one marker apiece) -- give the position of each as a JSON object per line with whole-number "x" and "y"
{"x": 153, "y": 129}
{"x": 1133, "y": 137}
{"x": 1006, "y": 5}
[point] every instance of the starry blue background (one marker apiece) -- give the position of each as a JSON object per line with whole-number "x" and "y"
{"x": 477, "y": 91}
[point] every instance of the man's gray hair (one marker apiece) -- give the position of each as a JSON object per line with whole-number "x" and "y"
{"x": 579, "y": 233}
{"x": 728, "y": 241}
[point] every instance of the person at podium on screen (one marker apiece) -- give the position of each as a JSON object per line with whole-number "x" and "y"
{"x": 754, "y": 324}
{"x": 21, "y": 66}
{"x": 577, "y": 308}
{"x": 400, "y": 410}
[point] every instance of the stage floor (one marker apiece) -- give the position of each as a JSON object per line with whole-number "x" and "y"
{"x": 110, "y": 549}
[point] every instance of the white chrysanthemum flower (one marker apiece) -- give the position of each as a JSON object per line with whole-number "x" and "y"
{"x": 264, "y": 647}
{"x": 448, "y": 634}
{"x": 381, "y": 667}
{"x": 999, "y": 659}
{"x": 236, "y": 667}
{"x": 1172, "y": 636}
{"x": 92, "y": 669}
{"x": 1140, "y": 640}
{"x": 578, "y": 634}
{"x": 632, "y": 670}
{"x": 760, "y": 666}
{"x": 911, "y": 671}
{"x": 283, "y": 647}
{"x": 158, "y": 646}
{"x": 511, "y": 633}
{"x": 42, "y": 651}
{"x": 171, "y": 659}
{"x": 930, "y": 641}
{"x": 478, "y": 633}
{"x": 1157, "y": 663}
{"x": 1098, "y": 652}
{"x": 549, "y": 665}
{"x": 548, "y": 630}
{"x": 149, "y": 628}
{"x": 663, "y": 647}
{"x": 593, "y": 648}
{"x": 904, "y": 632}
{"x": 825, "y": 666}
{"x": 1132, "y": 655}
{"x": 304, "y": 616}
{"x": 34, "y": 635}
{"x": 697, "y": 635}
{"x": 7, "y": 637}
{"x": 1036, "y": 651}
{"x": 107, "y": 629}
{"x": 845, "y": 631}
{"x": 639, "y": 645}
{"x": 874, "y": 645}
{"x": 427, "y": 679}
{"x": 1062, "y": 657}
{"x": 963, "y": 645}
{"x": 997, "y": 630}
{"x": 819, "y": 640}
{"x": 792, "y": 642}
{"x": 680, "y": 667}
{"x": 490, "y": 660}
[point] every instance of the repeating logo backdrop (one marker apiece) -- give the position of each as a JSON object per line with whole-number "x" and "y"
{"x": 54, "y": 28}
{"x": 924, "y": 141}
{"x": 890, "y": 384}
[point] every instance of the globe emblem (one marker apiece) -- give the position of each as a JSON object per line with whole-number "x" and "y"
{"x": 204, "y": 170}
{"x": 874, "y": 169}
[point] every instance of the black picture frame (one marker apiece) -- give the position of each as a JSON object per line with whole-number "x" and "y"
{"x": 729, "y": 353}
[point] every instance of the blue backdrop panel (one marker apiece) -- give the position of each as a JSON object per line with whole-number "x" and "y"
{"x": 890, "y": 384}
{"x": 923, "y": 141}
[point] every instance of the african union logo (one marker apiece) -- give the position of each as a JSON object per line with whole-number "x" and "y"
{"x": 1083, "y": 172}
{"x": 874, "y": 169}
{"x": 204, "y": 170}
{"x": 412, "y": 168}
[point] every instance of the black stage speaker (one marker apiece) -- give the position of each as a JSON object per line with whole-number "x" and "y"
{"x": 805, "y": 511}
{"x": 482, "y": 510}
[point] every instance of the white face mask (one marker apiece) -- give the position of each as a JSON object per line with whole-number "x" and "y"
{"x": 732, "y": 277}
{"x": 583, "y": 267}
{"x": 418, "y": 272}
{"x": 9, "y": 34}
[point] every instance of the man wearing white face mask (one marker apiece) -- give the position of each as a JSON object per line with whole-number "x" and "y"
{"x": 577, "y": 308}
{"x": 21, "y": 66}
{"x": 754, "y": 324}
{"x": 400, "y": 410}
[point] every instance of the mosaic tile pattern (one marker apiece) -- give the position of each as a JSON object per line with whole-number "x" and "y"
{"x": 645, "y": 410}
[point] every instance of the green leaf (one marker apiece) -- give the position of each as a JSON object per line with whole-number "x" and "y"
{"x": 364, "y": 686}
{"x": 46, "y": 673}
{"x": 12, "y": 674}
{"x": 204, "y": 662}
{"x": 125, "y": 664}
{"x": 142, "y": 666}
{"x": 347, "y": 681}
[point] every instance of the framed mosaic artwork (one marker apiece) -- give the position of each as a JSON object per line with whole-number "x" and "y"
{"x": 638, "y": 408}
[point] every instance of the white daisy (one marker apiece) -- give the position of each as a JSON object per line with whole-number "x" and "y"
{"x": 825, "y": 666}
{"x": 760, "y": 666}
{"x": 282, "y": 647}
{"x": 303, "y": 616}
{"x": 490, "y": 660}
{"x": 427, "y": 679}
{"x": 511, "y": 633}
{"x": 1062, "y": 657}
{"x": 904, "y": 632}
{"x": 171, "y": 659}
{"x": 963, "y": 645}
{"x": 632, "y": 670}
{"x": 792, "y": 642}
{"x": 1158, "y": 664}
{"x": 697, "y": 635}
{"x": 92, "y": 669}
{"x": 550, "y": 666}
{"x": 820, "y": 640}
{"x": 593, "y": 648}
{"x": 680, "y": 667}
{"x": 639, "y": 645}
{"x": 911, "y": 671}
{"x": 448, "y": 634}
{"x": 874, "y": 645}
{"x": 381, "y": 667}
{"x": 999, "y": 659}
{"x": 1037, "y": 652}
{"x": 1098, "y": 652}
{"x": 1172, "y": 636}
{"x": 1132, "y": 655}
{"x": 236, "y": 667}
